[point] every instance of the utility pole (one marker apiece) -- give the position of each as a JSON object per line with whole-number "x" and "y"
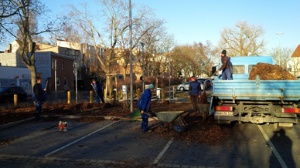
{"x": 143, "y": 66}
{"x": 54, "y": 66}
{"x": 75, "y": 67}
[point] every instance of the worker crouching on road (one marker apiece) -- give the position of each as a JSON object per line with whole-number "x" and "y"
{"x": 144, "y": 105}
{"x": 194, "y": 93}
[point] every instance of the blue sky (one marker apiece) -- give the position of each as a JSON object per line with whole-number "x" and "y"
{"x": 198, "y": 20}
{"x": 195, "y": 20}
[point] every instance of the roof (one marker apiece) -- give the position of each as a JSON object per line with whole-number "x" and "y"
{"x": 296, "y": 52}
{"x": 251, "y": 60}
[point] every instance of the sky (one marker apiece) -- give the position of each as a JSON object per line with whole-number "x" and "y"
{"x": 203, "y": 20}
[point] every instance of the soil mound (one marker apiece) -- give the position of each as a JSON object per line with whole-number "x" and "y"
{"x": 270, "y": 72}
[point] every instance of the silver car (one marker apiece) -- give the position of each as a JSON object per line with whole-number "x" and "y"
{"x": 183, "y": 86}
{"x": 186, "y": 86}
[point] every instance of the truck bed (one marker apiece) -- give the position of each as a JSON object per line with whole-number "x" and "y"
{"x": 241, "y": 89}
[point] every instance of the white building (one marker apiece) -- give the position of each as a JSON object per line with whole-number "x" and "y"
{"x": 15, "y": 76}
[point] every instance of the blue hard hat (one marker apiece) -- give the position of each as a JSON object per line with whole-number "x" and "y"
{"x": 151, "y": 86}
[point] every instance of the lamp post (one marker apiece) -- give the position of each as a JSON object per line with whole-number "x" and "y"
{"x": 130, "y": 49}
{"x": 54, "y": 65}
{"x": 279, "y": 34}
{"x": 75, "y": 67}
{"x": 169, "y": 80}
{"x": 143, "y": 66}
{"x": 169, "y": 60}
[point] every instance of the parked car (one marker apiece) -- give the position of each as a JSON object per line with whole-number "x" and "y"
{"x": 183, "y": 86}
{"x": 208, "y": 82}
{"x": 186, "y": 85}
{"x": 7, "y": 93}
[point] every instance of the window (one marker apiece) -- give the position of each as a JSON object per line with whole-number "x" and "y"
{"x": 238, "y": 69}
{"x": 250, "y": 68}
{"x": 62, "y": 66}
{"x": 66, "y": 81}
{"x": 58, "y": 81}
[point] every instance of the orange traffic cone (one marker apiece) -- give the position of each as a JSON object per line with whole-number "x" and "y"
{"x": 61, "y": 126}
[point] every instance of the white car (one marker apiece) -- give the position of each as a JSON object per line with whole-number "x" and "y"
{"x": 183, "y": 86}
{"x": 186, "y": 86}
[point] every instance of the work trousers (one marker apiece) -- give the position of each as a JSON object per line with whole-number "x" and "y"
{"x": 194, "y": 101}
{"x": 144, "y": 124}
{"x": 226, "y": 74}
{"x": 99, "y": 97}
{"x": 38, "y": 109}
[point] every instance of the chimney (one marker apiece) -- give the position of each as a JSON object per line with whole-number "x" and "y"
{"x": 9, "y": 48}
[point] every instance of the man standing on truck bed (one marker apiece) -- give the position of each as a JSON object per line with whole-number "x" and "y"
{"x": 226, "y": 73}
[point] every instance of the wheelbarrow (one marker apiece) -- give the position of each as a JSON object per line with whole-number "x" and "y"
{"x": 176, "y": 118}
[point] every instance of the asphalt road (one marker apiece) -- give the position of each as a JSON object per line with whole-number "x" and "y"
{"x": 120, "y": 143}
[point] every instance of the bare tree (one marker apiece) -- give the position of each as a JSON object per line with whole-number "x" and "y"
{"x": 192, "y": 59}
{"x": 242, "y": 40}
{"x": 109, "y": 31}
{"x": 282, "y": 56}
{"x": 23, "y": 28}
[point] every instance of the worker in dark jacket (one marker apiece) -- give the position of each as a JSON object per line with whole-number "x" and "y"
{"x": 194, "y": 92}
{"x": 144, "y": 105}
{"x": 98, "y": 88}
{"x": 225, "y": 68}
{"x": 39, "y": 96}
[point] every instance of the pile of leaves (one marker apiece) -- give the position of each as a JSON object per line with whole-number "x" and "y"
{"x": 200, "y": 130}
{"x": 270, "y": 72}
{"x": 85, "y": 109}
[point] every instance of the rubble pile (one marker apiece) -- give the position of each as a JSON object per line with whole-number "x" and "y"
{"x": 270, "y": 72}
{"x": 202, "y": 132}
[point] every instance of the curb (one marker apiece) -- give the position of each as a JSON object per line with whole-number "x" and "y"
{"x": 9, "y": 125}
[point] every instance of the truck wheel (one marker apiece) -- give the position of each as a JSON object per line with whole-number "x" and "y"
{"x": 179, "y": 128}
{"x": 276, "y": 126}
{"x": 224, "y": 122}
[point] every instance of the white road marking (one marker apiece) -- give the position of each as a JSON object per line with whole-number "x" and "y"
{"x": 279, "y": 158}
{"x": 163, "y": 151}
{"x": 77, "y": 140}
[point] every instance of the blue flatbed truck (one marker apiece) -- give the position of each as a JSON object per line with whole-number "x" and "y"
{"x": 255, "y": 101}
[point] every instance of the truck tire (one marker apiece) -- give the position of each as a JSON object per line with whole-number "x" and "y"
{"x": 276, "y": 126}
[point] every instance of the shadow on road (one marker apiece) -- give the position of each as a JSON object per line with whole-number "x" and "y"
{"x": 284, "y": 146}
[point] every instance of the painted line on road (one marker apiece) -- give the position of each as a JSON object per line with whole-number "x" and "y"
{"x": 77, "y": 140}
{"x": 279, "y": 158}
{"x": 163, "y": 151}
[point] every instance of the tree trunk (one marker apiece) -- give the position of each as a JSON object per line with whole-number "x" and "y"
{"x": 32, "y": 74}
